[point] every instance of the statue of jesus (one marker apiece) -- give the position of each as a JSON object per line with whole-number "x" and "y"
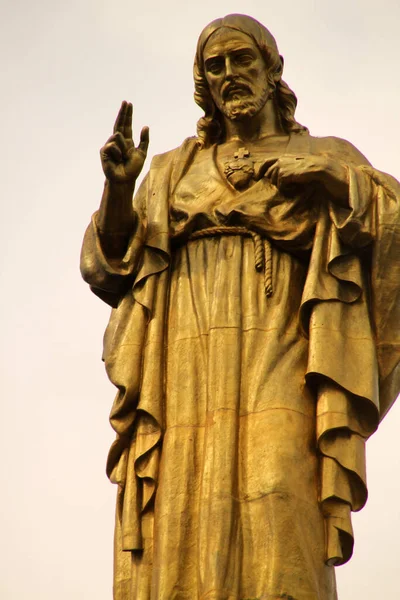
{"x": 254, "y": 338}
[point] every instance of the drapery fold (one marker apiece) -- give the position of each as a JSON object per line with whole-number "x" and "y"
{"x": 344, "y": 354}
{"x": 350, "y": 312}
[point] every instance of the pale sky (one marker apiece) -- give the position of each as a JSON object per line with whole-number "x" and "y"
{"x": 66, "y": 67}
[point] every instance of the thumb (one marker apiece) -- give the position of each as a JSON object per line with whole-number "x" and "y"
{"x": 144, "y": 140}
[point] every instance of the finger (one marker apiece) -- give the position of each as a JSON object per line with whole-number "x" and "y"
{"x": 276, "y": 176}
{"x": 263, "y": 168}
{"x": 144, "y": 140}
{"x": 272, "y": 174}
{"x": 111, "y": 152}
{"x": 286, "y": 180}
{"x": 118, "y": 138}
{"x": 271, "y": 167}
{"x": 120, "y": 120}
{"x": 128, "y": 121}
{"x": 121, "y": 141}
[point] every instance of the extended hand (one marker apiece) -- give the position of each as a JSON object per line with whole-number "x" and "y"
{"x": 290, "y": 170}
{"x": 122, "y": 162}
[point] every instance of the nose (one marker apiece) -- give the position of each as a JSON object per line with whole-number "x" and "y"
{"x": 229, "y": 74}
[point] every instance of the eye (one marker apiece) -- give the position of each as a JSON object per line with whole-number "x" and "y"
{"x": 243, "y": 59}
{"x": 215, "y": 66}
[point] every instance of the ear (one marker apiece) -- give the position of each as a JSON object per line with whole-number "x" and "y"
{"x": 279, "y": 69}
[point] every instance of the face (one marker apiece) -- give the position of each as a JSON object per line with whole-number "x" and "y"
{"x": 236, "y": 74}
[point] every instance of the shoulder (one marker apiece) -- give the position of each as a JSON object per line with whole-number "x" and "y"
{"x": 342, "y": 149}
{"x": 165, "y": 159}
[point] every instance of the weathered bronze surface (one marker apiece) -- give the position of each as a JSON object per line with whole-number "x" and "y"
{"x": 254, "y": 337}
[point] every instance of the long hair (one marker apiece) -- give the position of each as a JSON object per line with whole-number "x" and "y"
{"x": 210, "y": 127}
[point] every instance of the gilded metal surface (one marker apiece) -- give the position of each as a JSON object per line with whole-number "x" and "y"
{"x": 254, "y": 337}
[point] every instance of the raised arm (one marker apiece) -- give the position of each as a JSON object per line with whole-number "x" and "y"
{"x": 113, "y": 241}
{"x": 122, "y": 163}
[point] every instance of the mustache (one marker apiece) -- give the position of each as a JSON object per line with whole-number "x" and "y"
{"x": 234, "y": 86}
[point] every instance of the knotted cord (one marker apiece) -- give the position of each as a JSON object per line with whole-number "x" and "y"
{"x": 262, "y": 249}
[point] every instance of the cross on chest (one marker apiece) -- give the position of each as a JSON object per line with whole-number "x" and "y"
{"x": 242, "y": 153}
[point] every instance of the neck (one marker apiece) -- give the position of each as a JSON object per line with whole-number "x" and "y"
{"x": 248, "y": 129}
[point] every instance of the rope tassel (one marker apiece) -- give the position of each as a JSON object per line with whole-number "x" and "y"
{"x": 258, "y": 250}
{"x": 268, "y": 269}
{"x": 263, "y": 259}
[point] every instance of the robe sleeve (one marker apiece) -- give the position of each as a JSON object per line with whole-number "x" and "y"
{"x": 108, "y": 274}
{"x": 357, "y": 250}
{"x": 369, "y": 231}
{"x": 351, "y": 314}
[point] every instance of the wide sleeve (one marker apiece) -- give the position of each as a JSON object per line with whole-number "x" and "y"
{"x": 385, "y": 285}
{"x": 110, "y": 273}
{"x": 351, "y": 314}
{"x": 368, "y": 232}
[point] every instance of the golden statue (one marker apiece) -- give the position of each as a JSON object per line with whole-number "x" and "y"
{"x": 254, "y": 337}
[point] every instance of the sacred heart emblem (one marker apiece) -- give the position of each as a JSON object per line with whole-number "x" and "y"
{"x": 240, "y": 170}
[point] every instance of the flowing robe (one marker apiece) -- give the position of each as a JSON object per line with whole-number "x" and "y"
{"x": 241, "y": 420}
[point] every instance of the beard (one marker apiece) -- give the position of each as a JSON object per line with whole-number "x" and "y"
{"x": 242, "y": 106}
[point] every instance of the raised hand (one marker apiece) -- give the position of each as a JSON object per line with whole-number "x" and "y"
{"x": 122, "y": 162}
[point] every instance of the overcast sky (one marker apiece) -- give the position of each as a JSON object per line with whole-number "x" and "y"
{"x": 66, "y": 66}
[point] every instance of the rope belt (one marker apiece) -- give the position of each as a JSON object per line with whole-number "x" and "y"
{"x": 262, "y": 249}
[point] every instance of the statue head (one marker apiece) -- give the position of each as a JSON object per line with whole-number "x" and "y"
{"x": 267, "y": 84}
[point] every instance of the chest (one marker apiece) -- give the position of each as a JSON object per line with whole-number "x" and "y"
{"x": 242, "y": 166}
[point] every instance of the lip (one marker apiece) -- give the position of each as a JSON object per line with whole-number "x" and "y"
{"x": 232, "y": 88}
